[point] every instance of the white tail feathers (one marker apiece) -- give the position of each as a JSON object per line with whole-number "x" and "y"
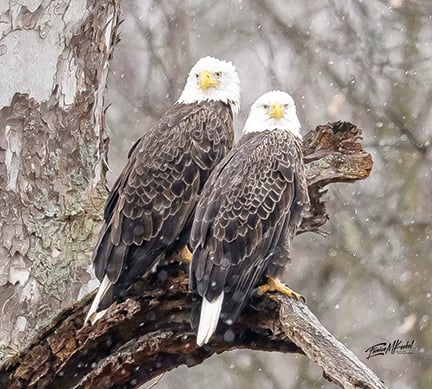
{"x": 210, "y": 312}
{"x": 92, "y": 315}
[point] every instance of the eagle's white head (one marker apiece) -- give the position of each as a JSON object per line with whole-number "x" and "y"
{"x": 274, "y": 110}
{"x": 212, "y": 79}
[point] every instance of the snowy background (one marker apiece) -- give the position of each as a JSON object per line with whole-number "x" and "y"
{"x": 367, "y": 62}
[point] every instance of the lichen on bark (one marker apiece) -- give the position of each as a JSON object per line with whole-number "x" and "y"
{"x": 52, "y": 152}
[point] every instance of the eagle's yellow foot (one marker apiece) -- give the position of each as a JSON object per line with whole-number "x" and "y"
{"x": 185, "y": 254}
{"x": 275, "y": 285}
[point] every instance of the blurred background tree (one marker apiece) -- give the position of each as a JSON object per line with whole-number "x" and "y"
{"x": 369, "y": 63}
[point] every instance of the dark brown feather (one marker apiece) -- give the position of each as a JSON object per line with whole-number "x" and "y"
{"x": 151, "y": 203}
{"x": 248, "y": 213}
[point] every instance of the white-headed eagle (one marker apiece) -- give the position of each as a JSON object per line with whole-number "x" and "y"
{"x": 248, "y": 213}
{"x": 149, "y": 211}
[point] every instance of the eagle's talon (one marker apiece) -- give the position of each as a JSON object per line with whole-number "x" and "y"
{"x": 275, "y": 285}
{"x": 185, "y": 255}
{"x": 261, "y": 290}
{"x": 298, "y": 297}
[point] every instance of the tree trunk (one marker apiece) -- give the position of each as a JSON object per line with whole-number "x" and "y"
{"x": 52, "y": 152}
{"x": 149, "y": 333}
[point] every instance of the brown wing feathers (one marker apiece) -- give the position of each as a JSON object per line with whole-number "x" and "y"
{"x": 249, "y": 202}
{"x": 154, "y": 197}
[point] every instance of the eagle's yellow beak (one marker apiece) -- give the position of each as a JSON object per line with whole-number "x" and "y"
{"x": 277, "y": 111}
{"x": 207, "y": 80}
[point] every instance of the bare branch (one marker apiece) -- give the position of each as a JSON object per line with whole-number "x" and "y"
{"x": 397, "y": 120}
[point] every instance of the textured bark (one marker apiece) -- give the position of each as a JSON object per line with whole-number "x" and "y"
{"x": 53, "y": 65}
{"x": 150, "y": 333}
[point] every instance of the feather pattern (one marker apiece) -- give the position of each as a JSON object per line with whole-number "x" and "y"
{"x": 151, "y": 203}
{"x": 149, "y": 211}
{"x": 247, "y": 215}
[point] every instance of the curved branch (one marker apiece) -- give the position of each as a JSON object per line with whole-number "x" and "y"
{"x": 149, "y": 333}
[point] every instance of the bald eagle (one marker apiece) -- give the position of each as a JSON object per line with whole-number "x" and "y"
{"x": 248, "y": 214}
{"x": 148, "y": 213}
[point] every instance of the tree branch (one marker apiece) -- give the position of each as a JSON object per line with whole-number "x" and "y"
{"x": 149, "y": 333}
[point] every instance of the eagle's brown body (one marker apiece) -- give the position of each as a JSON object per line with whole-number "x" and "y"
{"x": 149, "y": 210}
{"x": 247, "y": 215}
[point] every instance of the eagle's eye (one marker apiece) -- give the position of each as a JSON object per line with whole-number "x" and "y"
{"x": 265, "y": 106}
{"x": 197, "y": 75}
{"x": 286, "y": 106}
{"x": 218, "y": 74}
